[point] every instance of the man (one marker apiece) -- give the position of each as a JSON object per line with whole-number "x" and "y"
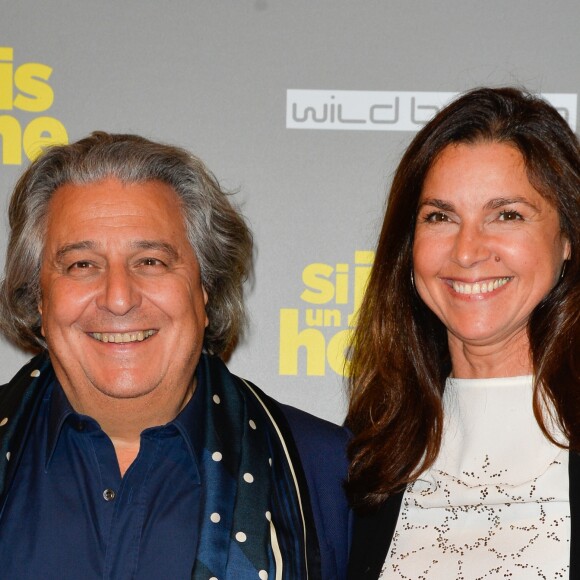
{"x": 127, "y": 449}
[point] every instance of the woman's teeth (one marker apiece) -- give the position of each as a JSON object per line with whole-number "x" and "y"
{"x": 479, "y": 287}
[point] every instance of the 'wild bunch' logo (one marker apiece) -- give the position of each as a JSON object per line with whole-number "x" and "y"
{"x": 24, "y": 93}
{"x": 320, "y": 331}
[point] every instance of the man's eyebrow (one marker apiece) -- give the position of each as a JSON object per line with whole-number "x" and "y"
{"x": 68, "y": 248}
{"x": 438, "y": 203}
{"x": 157, "y": 245}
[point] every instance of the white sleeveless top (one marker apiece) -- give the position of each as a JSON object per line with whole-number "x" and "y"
{"x": 495, "y": 504}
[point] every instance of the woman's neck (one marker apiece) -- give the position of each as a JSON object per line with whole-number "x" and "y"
{"x": 509, "y": 358}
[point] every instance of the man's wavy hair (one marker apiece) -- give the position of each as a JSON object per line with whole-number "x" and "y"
{"x": 400, "y": 354}
{"x": 216, "y": 230}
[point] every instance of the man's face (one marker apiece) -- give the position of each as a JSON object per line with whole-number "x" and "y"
{"x": 123, "y": 307}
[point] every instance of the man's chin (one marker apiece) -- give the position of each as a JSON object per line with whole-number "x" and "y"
{"x": 123, "y": 385}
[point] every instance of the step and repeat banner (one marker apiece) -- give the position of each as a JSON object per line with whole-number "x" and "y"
{"x": 303, "y": 108}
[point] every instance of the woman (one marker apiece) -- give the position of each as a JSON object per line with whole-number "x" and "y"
{"x": 465, "y": 370}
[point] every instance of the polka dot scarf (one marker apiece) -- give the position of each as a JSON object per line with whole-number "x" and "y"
{"x": 257, "y": 522}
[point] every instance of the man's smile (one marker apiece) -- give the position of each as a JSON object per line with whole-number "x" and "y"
{"x": 120, "y": 337}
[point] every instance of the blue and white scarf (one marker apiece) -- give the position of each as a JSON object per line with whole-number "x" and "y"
{"x": 257, "y": 522}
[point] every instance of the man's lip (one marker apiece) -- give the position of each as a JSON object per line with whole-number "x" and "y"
{"x": 123, "y": 337}
{"x": 482, "y": 286}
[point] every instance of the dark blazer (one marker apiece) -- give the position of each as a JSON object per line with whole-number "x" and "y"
{"x": 373, "y": 532}
{"x": 321, "y": 446}
{"x": 325, "y": 465}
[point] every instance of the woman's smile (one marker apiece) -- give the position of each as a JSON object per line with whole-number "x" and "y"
{"x": 485, "y": 286}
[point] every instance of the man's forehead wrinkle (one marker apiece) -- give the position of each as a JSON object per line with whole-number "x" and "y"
{"x": 138, "y": 244}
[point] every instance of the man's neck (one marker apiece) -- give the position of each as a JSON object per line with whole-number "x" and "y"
{"x": 123, "y": 420}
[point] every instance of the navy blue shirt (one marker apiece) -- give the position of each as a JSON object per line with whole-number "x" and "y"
{"x": 83, "y": 521}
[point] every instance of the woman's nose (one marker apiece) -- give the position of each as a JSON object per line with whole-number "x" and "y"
{"x": 471, "y": 246}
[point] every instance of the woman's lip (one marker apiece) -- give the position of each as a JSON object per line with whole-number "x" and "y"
{"x": 483, "y": 286}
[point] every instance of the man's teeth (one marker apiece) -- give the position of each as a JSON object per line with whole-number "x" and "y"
{"x": 123, "y": 336}
{"x": 479, "y": 287}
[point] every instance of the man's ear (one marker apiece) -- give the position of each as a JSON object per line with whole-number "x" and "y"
{"x": 39, "y": 307}
{"x": 205, "y": 297}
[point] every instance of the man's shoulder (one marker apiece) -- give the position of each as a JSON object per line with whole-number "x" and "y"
{"x": 314, "y": 437}
{"x": 322, "y": 446}
{"x": 12, "y": 392}
{"x": 314, "y": 430}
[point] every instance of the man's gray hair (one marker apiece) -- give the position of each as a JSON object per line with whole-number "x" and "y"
{"x": 216, "y": 230}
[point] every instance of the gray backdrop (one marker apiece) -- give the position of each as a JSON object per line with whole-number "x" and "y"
{"x": 258, "y": 90}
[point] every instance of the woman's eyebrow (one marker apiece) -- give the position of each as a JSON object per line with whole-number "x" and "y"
{"x": 503, "y": 201}
{"x": 438, "y": 203}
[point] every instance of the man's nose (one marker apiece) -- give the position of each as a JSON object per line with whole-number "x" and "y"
{"x": 120, "y": 292}
{"x": 471, "y": 246}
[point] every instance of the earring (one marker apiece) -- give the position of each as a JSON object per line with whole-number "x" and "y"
{"x": 563, "y": 269}
{"x": 413, "y": 280}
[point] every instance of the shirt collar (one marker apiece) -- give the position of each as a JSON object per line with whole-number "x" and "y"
{"x": 60, "y": 409}
{"x": 189, "y": 422}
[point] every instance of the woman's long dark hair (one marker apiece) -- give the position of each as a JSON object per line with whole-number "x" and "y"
{"x": 400, "y": 357}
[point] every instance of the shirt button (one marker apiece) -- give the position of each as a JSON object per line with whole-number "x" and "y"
{"x": 109, "y": 494}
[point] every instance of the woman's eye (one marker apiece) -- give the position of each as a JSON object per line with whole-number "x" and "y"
{"x": 509, "y": 215}
{"x": 436, "y": 216}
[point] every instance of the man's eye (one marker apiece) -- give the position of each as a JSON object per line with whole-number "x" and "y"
{"x": 509, "y": 215}
{"x": 151, "y": 262}
{"x": 80, "y": 269}
{"x": 436, "y": 216}
{"x": 80, "y": 265}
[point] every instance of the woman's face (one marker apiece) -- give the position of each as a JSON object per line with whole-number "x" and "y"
{"x": 487, "y": 247}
